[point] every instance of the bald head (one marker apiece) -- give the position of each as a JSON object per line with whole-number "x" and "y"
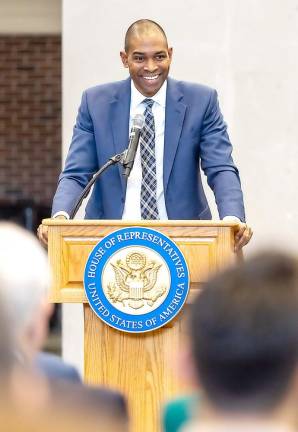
{"x": 140, "y": 29}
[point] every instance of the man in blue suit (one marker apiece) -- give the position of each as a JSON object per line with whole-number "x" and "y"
{"x": 189, "y": 132}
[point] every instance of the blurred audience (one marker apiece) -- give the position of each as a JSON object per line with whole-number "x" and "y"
{"x": 38, "y": 389}
{"x": 244, "y": 343}
{"x": 24, "y": 281}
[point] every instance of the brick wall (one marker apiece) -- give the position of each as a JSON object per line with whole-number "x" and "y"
{"x": 30, "y": 118}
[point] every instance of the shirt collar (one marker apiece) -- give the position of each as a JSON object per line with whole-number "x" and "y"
{"x": 137, "y": 97}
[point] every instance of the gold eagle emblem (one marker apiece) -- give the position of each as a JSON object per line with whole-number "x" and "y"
{"x": 135, "y": 281}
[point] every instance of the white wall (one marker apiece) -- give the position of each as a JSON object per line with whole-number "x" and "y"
{"x": 30, "y": 16}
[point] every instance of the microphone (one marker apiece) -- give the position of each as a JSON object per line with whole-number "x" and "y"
{"x": 126, "y": 158}
{"x": 137, "y": 125}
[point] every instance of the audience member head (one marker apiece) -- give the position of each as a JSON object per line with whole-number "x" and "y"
{"x": 24, "y": 279}
{"x": 244, "y": 334}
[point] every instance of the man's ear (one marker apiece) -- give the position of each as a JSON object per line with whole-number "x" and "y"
{"x": 34, "y": 333}
{"x": 186, "y": 367}
{"x": 124, "y": 59}
{"x": 170, "y": 52}
{"x": 41, "y": 324}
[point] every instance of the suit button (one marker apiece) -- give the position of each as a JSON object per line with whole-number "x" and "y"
{"x": 122, "y": 200}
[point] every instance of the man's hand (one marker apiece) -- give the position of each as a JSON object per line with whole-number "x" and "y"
{"x": 42, "y": 231}
{"x": 42, "y": 234}
{"x": 242, "y": 236}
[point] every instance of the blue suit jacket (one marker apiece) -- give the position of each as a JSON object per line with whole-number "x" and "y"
{"x": 195, "y": 133}
{"x": 53, "y": 366}
{"x": 68, "y": 390}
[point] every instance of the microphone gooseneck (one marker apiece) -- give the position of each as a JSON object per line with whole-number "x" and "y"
{"x": 134, "y": 138}
{"x": 125, "y": 158}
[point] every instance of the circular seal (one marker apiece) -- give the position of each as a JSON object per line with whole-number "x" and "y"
{"x": 136, "y": 279}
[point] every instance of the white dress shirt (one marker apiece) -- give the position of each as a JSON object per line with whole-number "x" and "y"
{"x": 132, "y": 207}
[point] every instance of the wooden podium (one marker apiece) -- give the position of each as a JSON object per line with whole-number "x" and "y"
{"x": 140, "y": 365}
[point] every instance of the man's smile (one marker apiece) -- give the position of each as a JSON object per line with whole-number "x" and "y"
{"x": 151, "y": 77}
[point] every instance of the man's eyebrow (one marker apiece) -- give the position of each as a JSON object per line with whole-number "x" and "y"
{"x": 142, "y": 53}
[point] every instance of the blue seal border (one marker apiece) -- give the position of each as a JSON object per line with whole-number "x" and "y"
{"x": 149, "y": 238}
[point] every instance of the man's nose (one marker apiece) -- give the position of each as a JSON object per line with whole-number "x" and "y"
{"x": 150, "y": 65}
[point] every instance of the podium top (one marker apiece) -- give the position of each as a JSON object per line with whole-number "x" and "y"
{"x": 141, "y": 223}
{"x": 207, "y": 245}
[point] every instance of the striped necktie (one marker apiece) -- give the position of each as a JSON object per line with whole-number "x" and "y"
{"x": 149, "y": 208}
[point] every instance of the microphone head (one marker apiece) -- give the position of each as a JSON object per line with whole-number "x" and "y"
{"x": 138, "y": 121}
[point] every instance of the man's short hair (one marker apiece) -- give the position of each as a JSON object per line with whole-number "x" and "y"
{"x": 244, "y": 333}
{"x": 24, "y": 274}
{"x": 140, "y": 26}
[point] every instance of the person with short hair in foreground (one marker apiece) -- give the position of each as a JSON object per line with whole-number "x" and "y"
{"x": 244, "y": 347}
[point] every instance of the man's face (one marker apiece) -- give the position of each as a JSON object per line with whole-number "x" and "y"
{"x": 148, "y": 59}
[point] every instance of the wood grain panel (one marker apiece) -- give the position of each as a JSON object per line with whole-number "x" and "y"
{"x": 78, "y": 253}
{"x": 141, "y": 366}
{"x": 83, "y": 223}
{"x": 198, "y": 256}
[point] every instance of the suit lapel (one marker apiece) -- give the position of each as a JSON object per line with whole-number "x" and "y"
{"x": 120, "y": 108}
{"x": 175, "y": 113}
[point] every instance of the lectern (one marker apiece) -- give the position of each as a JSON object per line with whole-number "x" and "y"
{"x": 140, "y": 365}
